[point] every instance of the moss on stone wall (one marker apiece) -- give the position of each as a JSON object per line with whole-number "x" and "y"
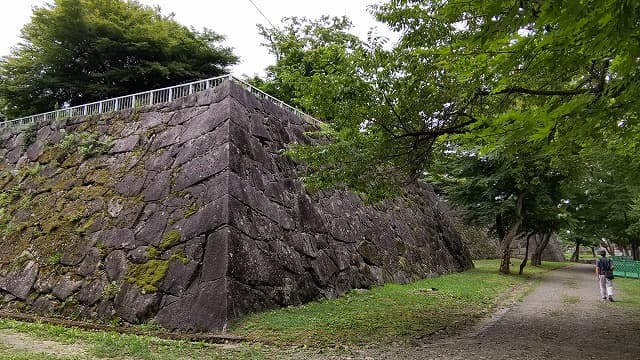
{"x": 147, "y": 276}
{"x": 171, "y": 238}
{"x": 192, "y": 209}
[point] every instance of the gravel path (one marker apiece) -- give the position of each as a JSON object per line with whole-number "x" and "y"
{"x": 562, "y": 318}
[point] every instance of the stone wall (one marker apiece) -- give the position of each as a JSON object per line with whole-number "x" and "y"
{"x": 188, "y": 213}
{"x": 554, "y": 251}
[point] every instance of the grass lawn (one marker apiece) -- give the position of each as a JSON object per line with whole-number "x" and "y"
{"x": 111, "y": 345}
{"x": 376, "y": 316}
{"x": 387, "y": 313}
{"x": 583, "y": 256}
{"x": 631, "y": 290}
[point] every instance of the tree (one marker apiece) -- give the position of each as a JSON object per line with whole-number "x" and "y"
{"x": 515, "y": 191}
{"x": 502, "y": 73}
{"x": 78, "y": 51}
{"x": 374, "y": 113}
{"x": 603, "y": 197}
{"x": 578, "y": 238}
{"x": 488, "y": 69}
{"x": 314, "y": 67}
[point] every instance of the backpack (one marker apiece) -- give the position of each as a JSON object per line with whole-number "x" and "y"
{"x": 604, "y": 265}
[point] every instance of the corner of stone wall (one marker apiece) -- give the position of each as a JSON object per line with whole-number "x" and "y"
{"x": 204, "y": 305}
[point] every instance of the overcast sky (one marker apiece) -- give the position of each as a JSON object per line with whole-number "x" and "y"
{"x": 236, "y": 19}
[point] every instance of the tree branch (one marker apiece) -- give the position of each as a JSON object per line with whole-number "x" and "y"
{"x": 521, "y": 90}
{"x": 457, "y": 129}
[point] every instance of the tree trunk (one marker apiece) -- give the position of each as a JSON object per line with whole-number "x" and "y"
{"x": 635, "y": 251}
{"x": 526, "y": 255}
{"x": 609, "y": 246}
{"x": 576, "y": 253}
{"x": 505, "y": 243}
{"x": 536, "y": 259}
{"x": 593, "y": 251}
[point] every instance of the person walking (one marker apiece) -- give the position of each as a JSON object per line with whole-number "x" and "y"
{"x": 604, "y": 273}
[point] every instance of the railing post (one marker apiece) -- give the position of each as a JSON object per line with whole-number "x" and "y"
{"x": 170, "y": 94}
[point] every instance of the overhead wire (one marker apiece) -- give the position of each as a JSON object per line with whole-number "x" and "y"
{"x": 273, "y": 43}
{"x": 261, "y": 13}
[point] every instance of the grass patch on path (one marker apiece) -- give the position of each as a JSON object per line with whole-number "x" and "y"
{"x": 387, "y": 313}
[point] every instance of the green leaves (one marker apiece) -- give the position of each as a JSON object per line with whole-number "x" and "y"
{"x": 315, "y": 64}
{"x": 497, "y": 101}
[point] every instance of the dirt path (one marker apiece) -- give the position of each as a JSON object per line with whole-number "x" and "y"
{"x": 11, "y": 341}
{"x": 563, "y": 318}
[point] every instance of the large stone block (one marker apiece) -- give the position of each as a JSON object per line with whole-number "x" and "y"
{"x": 135, "y": 306}
{"x": 202, "y": 168}
{"x": 20, "y": 279}
{"x": 203, "y": 307}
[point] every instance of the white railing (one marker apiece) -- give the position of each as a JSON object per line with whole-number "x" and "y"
{"x": 263, "y": 95}
{"x": 150, "y": 98}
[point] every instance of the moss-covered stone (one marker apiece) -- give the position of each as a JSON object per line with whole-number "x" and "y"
{"x": 50, "y": 154}
{"x": 147, "y": 276}
{"x": 403, "y": 264}
{"x": 64, "y": 181}
{"x": 84, "y": 226}
{"x": 73, "y": 160}
{"x": 73, "y": 211}
{"x": 117, "y": 126}
{"x": 152, "y": 252}
{"x": 110, "y": 291}
{"x": 50, "y": 224}
{"x": 171, "y": 238}
{"x": 192, "y": 209}
{"x": 104, "y": 249}
{"x": 100, "y": 177}
{"x": 18, "y": 262}
{"x": 27, "y": 171}
{"x": 32, "y": 233}
{"x": 179, "y": 255}
{"x": 54, "y": 259}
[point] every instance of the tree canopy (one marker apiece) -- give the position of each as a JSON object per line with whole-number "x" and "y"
{"x": 78, "y": 51}
{"x": 529, "y": 91}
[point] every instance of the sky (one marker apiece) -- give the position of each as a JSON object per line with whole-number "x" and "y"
{"x": 236, "y": 19}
